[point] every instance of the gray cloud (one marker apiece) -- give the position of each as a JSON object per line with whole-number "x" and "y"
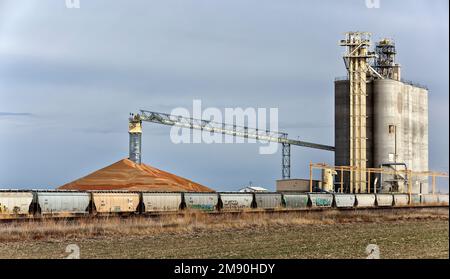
{"x": 3, "y": 113}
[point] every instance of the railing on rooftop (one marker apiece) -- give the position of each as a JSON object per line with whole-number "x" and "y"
{"x": 414, "y": 84}
{"x": 405, "y": 81}
{"x": 343, "y": 78}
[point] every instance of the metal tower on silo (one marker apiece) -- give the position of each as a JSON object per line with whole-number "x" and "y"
{"x": 385, "y": 59}
{"x": 356, "y": 62}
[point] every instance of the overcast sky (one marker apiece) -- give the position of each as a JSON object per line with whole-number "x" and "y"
{"x": 70, "y": 77}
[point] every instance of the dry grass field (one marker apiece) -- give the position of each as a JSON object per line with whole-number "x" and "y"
{"x": 399, "y": 234}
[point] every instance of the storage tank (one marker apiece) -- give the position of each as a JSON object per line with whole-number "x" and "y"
{"x": 400, "y": 133}
{"x": 342, "y": 122}
{"x": 342, "y": 126}
{"x": 421, "y": 141}
{"x": 328, "y": 179}
{"x": 388, "y": 135}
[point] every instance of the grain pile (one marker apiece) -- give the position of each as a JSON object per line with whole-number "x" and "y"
{"x": 127, "y": 175}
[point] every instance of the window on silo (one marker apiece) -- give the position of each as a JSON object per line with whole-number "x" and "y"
{"x": 391, "y": 129}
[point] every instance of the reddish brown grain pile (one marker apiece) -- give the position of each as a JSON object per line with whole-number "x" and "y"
{"x": 126, "y": 175}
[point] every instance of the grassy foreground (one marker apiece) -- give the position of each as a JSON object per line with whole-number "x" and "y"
{"x": 421, "y": 234}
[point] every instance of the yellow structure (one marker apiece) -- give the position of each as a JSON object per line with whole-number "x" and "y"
{"x": 356, "y": 61}
{"x": 135, "y": 125}
{"x": 374, "y": 172}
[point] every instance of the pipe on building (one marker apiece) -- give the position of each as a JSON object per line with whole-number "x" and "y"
{"x": 135, "y": 147}
{"x": 135, "y": 132}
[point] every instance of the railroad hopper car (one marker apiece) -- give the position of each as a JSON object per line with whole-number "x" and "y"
{"x": 384, "y": 200}
{"x": 58, "y": 203}
{"x": 344, "y": 200}
{"x": 320, "y": 200}
{"x": 161, "y": 202}
{"x": 268, "y": 201}
{"x": 236, "y": 202}
{"x": 201, "y": 201}
{"x": 365, "y": 200}
{"x": 296, "y": 201}
{"x": 39, "y": 204}
{"x": 104, "y": 203}
{"x": 403, "y": 200}
{"x": 15, "y": 204}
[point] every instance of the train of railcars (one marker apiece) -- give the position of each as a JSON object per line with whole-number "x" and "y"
{"x": 47, "y": 203}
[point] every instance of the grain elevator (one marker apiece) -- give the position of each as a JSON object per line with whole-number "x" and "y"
{"x": 381, "y": 120}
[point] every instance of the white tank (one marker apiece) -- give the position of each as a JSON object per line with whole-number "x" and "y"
{"x": 400, "y": 131}
{"x": 328, "y": 179}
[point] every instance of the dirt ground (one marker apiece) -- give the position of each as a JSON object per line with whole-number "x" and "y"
{"x": 423, "y": 236}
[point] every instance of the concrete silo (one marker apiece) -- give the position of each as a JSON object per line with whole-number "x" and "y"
{"x": 396, "y": 123}
{"x": 400, "y": 131}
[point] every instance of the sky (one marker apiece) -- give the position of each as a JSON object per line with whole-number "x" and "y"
{"x": 70, "y": 77}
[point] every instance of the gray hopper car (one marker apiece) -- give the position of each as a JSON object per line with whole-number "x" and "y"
{"x": 37, "y": 204}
